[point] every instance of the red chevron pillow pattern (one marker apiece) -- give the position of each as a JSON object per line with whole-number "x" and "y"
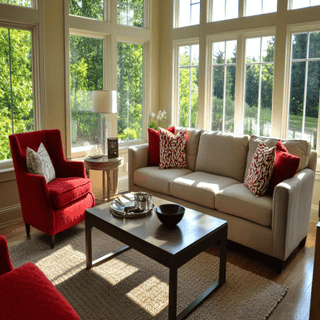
{"x": 173, "y": 149}
{"x": 261, "y": 169}
{"x": 154, "y": 146}
{"x": 286, "y": 166}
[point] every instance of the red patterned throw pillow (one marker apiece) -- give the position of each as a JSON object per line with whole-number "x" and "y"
{"x": 173, "y": 149}
{"x": 286, "y": 166}
{"x": 261, "y": 169}
{"x": 154, "y": 146}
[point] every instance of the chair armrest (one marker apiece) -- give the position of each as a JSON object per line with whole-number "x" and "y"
{"x": 292, "y": 201}
{"x": 36, "y": 203}
{"x": 137, "y": 158}
{"x": 71, "y": 169}
{"x": 5, "y": 261}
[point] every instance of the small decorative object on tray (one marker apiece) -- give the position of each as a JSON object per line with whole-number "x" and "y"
{"x": 132, "y": 205}
{"x": 113, "y": 148}
{"x": 170, "y": 214}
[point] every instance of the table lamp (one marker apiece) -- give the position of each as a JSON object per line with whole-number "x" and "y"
{"x": 104, "y": 102}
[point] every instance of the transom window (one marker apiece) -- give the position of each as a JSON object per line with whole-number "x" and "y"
{"x": 298, "y": 4}
{"x": 258, "y": 85}
{"x": 130, "y": 12}
{"x": 304, "y": 87}
{"x": 188, "y": 13}
{"x": 88, "y": 9}
{"x": 223, "y": 10}
{"x": 21, "y": 3}
{"x": 255, "y": 7}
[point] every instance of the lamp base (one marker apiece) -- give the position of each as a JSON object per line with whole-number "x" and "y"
{"x": 104, "y": 134}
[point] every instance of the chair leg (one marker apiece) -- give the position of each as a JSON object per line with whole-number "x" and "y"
{"x": 53, "y": 241}
{"x": 28, "y": 230}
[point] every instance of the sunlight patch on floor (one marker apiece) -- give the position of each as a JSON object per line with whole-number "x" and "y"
{"x": 55, "y": 270}
{"x": 152, "y": 295}
{"x": 115, "y": 271}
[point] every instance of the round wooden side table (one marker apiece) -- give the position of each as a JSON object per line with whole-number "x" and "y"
{"x": 106, "y": 165}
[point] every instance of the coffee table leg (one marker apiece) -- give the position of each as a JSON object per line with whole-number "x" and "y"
{"x": 88, "y": 245}
{"x": 173, "y": 284}
{"x": 223, "y": 260}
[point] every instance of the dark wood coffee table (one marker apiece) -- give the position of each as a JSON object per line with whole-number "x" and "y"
{"x": 193, "y": 234}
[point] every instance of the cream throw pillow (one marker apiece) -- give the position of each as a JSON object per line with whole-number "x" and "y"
{"x": 40, "y": 163}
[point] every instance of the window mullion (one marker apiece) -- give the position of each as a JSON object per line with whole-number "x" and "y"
{"x": 259, "y": 94}
{"x": 190, "y": 81}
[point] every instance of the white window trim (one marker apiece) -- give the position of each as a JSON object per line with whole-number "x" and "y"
{"x": 292, "y": 29}
{"x": 112, "y": 33}
{"x": 30, "y": 19}
{"x": 176, "y": 45}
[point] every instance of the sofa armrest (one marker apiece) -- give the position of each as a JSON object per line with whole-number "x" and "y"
{"x": 5, "y": 262}
{"x": 137, "y": 158}
{"x": 291, "y": 210}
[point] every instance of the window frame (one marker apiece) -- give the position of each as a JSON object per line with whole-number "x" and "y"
{"x": 176, "y": 45}
{"x": 176, "y": 19}
{"x": 291, "y": 30}
{"x": 30, "y": 19}
{"x": 112, "y": 32}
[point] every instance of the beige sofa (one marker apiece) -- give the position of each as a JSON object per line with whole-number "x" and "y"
{"x": 213, "y": 184}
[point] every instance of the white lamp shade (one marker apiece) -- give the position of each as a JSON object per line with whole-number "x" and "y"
{"x": 104, "y": 101}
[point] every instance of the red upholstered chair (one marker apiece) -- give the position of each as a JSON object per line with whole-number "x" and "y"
{"x": 60, "y": 204}
{"x": 26, "y": 293}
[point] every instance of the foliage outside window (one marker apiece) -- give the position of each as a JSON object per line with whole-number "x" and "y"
{"x": 86, "y": 75}
{"x": 188, "y": 12}
{"x": 130, "y": 91}
{"x": 21, "y": 3}
{"x": 224, "y": 58}
{"x": 16, "y": 86}
{"x": 304, "y": 87}
{"x": 224, "y": 9}
{"x": 93, "y": 9}
{"x": 258, "y": 86}
{"x": 298, "y": 4}
{"x": 188, "y": 85}
{"x": 255, "y": 7}
{"x": 130, "y": 12}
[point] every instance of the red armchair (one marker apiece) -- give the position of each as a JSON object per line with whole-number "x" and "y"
{"x": 60, "y": 204}
{"x": 26, "y": 293}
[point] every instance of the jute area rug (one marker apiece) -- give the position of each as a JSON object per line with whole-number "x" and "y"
{"x": 132, "y": 286}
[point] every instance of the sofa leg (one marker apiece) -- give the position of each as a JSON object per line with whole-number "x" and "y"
{"x": 53, "y": 241}
{"x": 28, "y": 230}
{"x": 302, "y": 243}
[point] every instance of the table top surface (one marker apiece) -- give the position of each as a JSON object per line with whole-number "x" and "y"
{"x": 103, "y": 159}
{"x": 194, "y": 227}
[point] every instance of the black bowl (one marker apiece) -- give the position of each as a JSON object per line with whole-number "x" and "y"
{"x": 170, "y": 214}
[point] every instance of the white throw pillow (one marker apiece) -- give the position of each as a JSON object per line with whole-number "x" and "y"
{"x": 40, "y": 163}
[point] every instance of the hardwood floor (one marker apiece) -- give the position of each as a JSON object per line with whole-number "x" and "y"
{"x": 297, "y": 276}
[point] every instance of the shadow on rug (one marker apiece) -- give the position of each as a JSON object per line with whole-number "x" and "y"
{"x": 133, "y": 286}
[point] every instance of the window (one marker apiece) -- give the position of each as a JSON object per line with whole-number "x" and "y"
{"x": 93, "y": 9}
{"x": 258, "y": 86}
{"x": 21, "y": 3}
{"x": 188, "y": 13}
{"x": 223, "y": 10}
{"x": 255, "y": 7}
{"x": 188, "y": 85}
{"x": 304, "y": 87}
{"x": 16, "y": 86}
{"x": 130, "y": 12}
{"x": 130, "y": 91}
{"x": 224, "y": 57}
{"x": 86, "y": 75}
{"x": 298, "y": 4}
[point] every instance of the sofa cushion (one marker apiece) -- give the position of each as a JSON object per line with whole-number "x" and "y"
{"x": 200, "y": 187}
{"x": 192, "y": 146}
{"x": 299, "y": 148}
{"x": 238, "y": 200}
{"x": 65, "y": 190}
{"x": 27, "y": 294}
{"x": 153, "y": 179}
{"x": 222, "y": 154}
